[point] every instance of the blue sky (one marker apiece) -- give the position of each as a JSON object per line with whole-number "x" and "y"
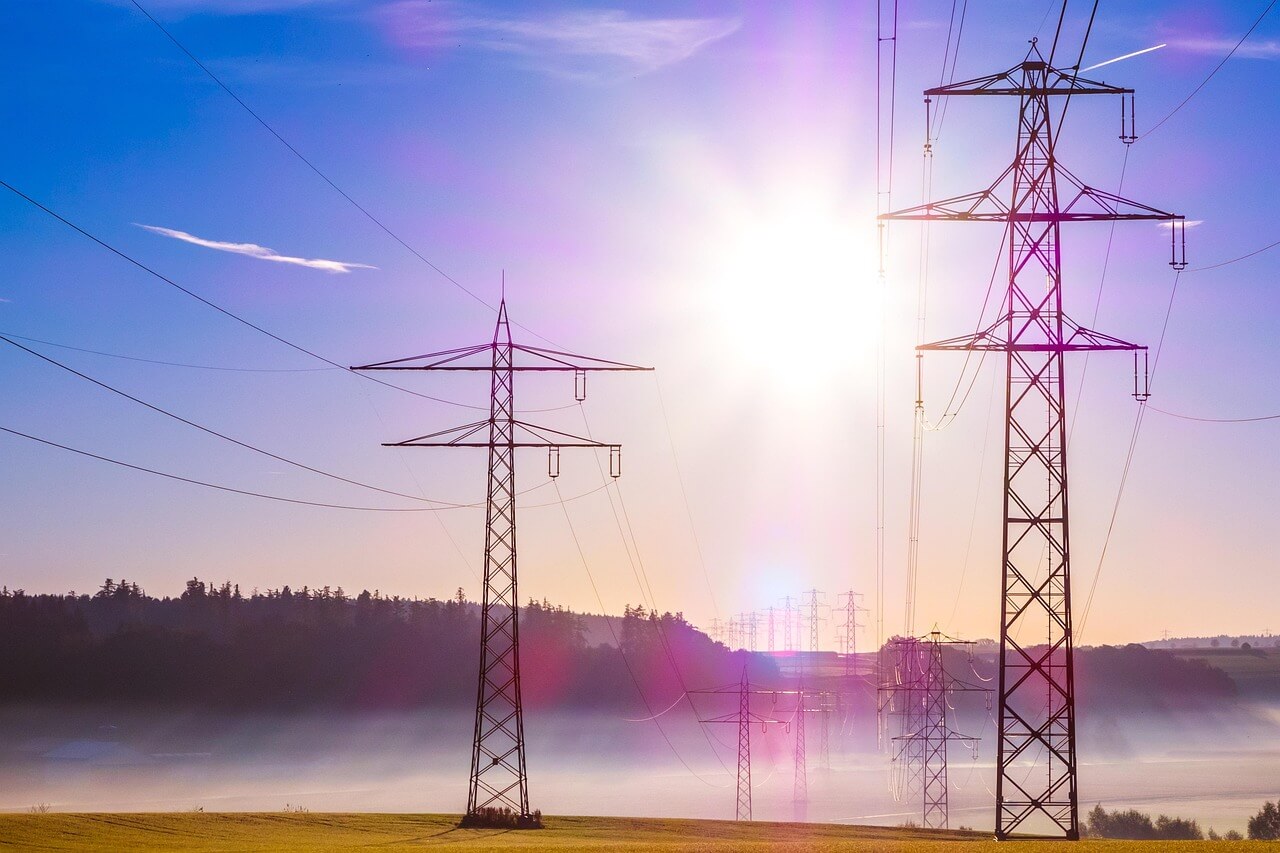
{"x": 688, "y": 185}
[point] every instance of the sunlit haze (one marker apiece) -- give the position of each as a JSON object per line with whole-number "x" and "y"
{"x": 685, "y": 186}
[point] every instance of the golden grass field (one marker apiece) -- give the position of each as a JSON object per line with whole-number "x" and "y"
{"x": 295, "y": 833}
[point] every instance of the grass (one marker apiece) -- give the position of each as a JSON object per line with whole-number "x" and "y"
{"x": 321, "y": 833}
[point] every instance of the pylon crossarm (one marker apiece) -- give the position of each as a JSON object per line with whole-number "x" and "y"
{"x": 522, "y": 435}
{"x": 1107, "y": 207}
{"x": 437, "y": 359}
{"x": 573, "y": 361}
{"x": 1059, "y": 81}
{"x": 540, "y": 360}
{"x": 981, "y": 206}
{"x": 556, "y": 438}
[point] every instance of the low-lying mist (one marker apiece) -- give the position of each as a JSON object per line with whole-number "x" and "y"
{"x": 1213, "y": 766}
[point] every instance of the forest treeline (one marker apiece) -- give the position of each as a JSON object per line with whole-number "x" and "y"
{"x": 216, "y": 648}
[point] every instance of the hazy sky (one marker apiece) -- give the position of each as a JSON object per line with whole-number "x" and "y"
{"x": 685, "y": 185}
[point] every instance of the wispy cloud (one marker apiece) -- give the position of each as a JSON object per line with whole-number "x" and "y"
{"x": 253, "y": 250}
{"x": 1268, "y": 49}
{"x": 228, "y": 7}
{"x": 586, "y": 43}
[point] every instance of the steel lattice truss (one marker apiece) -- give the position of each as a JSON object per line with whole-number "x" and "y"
{"x": 498, "y": 776}
{"x": 1036, "y": 768}
{"x": 918, "y": 697}
{"x": 744, "y": 718}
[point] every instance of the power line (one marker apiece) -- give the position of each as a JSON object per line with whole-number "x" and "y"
{"x": 684, "y": 495}
{"x": 314, "y": 168}
{"x": 1236, "y": 260}
{"x": 216, "y": 486}
{"x": 1128, "y": 462}
{"x": 618, "y": 643}
{"x": 188, "y": 365}
{"x": 1214, "y": 420}
{"x": 279, "y": 498}
{"x": 214, "y": 432}
{"x": 642, "y": 580}
{"x": 1215, "y": 70}
{"x": 171, "y": 363}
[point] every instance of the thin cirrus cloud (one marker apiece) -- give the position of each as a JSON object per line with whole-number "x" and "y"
{"x": 253, "y": 250}
{"x": 591, "y": 43}
{"x": 1268, "y": 49}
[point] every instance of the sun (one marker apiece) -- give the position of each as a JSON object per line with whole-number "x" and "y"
{"x": 793, "y": 293}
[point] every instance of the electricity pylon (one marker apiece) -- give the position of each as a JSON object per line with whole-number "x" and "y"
{"x": 743, "y": 719}
{"x": 788, "y": 645}
{"x": 800, "y": 783}
{"x": 498, "y": 776}
{"x": 811, "y": 603}
{"x": 919, "y": 696}
{"x": 849, "y": 630}
{"x": 1036, "y": 790}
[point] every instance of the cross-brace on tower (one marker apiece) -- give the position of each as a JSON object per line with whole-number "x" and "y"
{"x": 743, "y": 718}
{"x": 918, "y": 695}
{"x": 498, "y": 777}
{"x": 1036, "y": 765}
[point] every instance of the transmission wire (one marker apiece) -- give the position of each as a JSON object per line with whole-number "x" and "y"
{"x": 216, "y": 486}
{"x": 215, "y": 433}
{"x": 1215, "y": 70}
{"x": 260, "y": 120}
{"x": 608, "y": 621}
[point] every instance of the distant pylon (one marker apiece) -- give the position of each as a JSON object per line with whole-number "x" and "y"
{"x": 824, "y": 730}
{"x": 810, "y": 604}
{"x": 498, "y": 776}
{"x": 1036, "y": 778}
{"x": 716, "y": 631}
{"x": 751, "y": 630}
{"x": 800, "y": 785}
{"x": 788, "y": 645}
{"x": 917, "y": 694}
{"x": 849, "y": 630}
{"x": 772, "y": 635}
{"x": 743, "y": 719}
{"x": 744, "y": 749}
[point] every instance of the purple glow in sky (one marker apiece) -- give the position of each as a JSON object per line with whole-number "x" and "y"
{"x": 686, "y": 185}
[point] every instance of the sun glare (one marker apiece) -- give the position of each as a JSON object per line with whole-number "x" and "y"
{"x": 793, "y": 292}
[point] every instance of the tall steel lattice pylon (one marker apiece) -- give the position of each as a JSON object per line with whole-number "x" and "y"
{"x": 499, "y": 780}
{"x": 1036, "y": 792}
{"x": 919, "y": 696}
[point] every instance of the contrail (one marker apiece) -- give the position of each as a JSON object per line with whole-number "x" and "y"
{"x": 1126, "y": 56}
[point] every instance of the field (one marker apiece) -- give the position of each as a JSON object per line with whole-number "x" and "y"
{"x": 295, "y": 833}
{"x": 1255, "y": 671}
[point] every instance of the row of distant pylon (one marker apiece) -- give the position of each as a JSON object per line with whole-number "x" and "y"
{"x": 793, "y": 625}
